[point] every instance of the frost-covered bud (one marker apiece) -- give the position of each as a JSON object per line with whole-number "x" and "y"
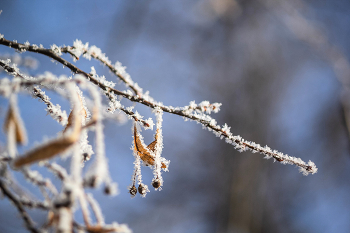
{"x": 143, "y": 189}
{"x": 156, "y": 183}
{"x": 55, "y": 49}
{"x": 86, "y": 157}
{"x": 107, "y": 190}
{"x": 90, "y": 182}
{"x": 133, "y": 191}
{"x": 111, "y": 189}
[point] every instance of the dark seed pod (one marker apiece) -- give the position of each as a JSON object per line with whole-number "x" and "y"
{"x": 133, "y": 190}
{"x": 156, "y": 183}
{"x": 86, "y": 157}
{"x": 142, "y": 189}
{"x": 107, "y": 190}
{"x": 90, "y": 182}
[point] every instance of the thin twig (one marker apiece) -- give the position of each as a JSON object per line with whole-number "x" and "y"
{"x": 58, "y": 115}
{"x": 35, "y": 178}
{"x": 237, "y": 141}
{"x": 106, "y": 63}
{"x": 35, "y": 204}
{"x": 57, "y": 170}
{"x": 96, "y": 209}
{"x": 26, "y": 218}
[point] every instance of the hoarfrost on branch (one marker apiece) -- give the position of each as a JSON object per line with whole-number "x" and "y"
{"x": 83, "y": 90}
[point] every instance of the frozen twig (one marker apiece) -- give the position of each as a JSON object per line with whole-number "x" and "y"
{"x": 54, "y": 111}
{"x": 72, "y": 140}
{"x": 35, "y": 178}
{"x": 186, "y": 112}
{"x": 59, "y": 171}
{"x": 26, "y": 218}
{"x": 96, "y": 209}
{"x": 35, "y": 204}
{"x": 79, "y": 48}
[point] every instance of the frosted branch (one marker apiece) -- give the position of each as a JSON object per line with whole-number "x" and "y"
{"x": 72, "y": 140}
{"x": 54, "y": 111}
{"x": 205, "y": 120}
{"x": 79, "y": 49}
{"x": 18, "y": 204}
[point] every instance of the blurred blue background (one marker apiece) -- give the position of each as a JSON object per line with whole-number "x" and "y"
{"x": 272, "y": 64}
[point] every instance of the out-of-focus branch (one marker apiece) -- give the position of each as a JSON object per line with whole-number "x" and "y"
{"x": 59, "y": 171}
{"x": 28, "y": 221}
{"x": 305, "y": 30}
{"x": 53, "y": 110}
{"x": 35, "y": 178}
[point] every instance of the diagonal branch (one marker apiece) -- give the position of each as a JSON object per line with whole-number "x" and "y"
{"x": 207, "y": 122}
{"x": 28, "y": 221}
{"x": 53, "y": 110}
{"x": 105, "y": 62}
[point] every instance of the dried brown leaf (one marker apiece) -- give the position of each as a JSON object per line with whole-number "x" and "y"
{"x": 70, "y": 117}
{"x": 163, "y": 165}
{"x": 145, "y": 154}
{"x": 69, "y": 122}
{"x": 54, "y": 147}
{"x": 44, "y": 152}
{"x": 152, "y": 146}
{"x": 13, "y": 117}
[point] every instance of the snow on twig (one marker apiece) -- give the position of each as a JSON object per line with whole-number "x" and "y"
{"x": 88, "y": 115}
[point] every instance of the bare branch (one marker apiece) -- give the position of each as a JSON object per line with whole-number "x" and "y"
{"x": 105, "y": 62}
{"x": 205, "y": 120}
{"x": 53, "y": 110}
{"x": 28, "y": 221}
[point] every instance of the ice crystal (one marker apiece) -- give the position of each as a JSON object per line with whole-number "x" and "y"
{"x": 79, "y": 48}
{"x": 55, "y": 49}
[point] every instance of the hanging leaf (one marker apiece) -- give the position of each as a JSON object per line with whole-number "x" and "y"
{"x": 152, "y": 146}
{"x": 13, "y": 120}
{"x": 55, "y": 146}
{"x": 71, "y": 134}
{"x": 143, "y": 152}
{"x": 70, "y": 117}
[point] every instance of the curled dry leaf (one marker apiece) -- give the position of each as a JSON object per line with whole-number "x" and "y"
{"x": 13, "y": 120}
{"x": 54, "y": 147}
{"x": 94, "y": 117}
{"x": 71, "y": 134}
{"x": 145, "y": 153}
{"x": 82, "y": 113}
